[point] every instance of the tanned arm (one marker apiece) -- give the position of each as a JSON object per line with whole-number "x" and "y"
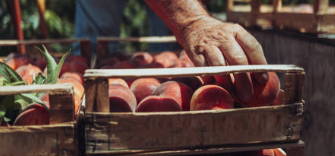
{"x": 208, "y": 41}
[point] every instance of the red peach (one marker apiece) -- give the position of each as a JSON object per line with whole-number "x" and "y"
{"x": 123, "y": 65}
{"x": 78, "y": 66}
{"x": 108, "y": 62}
{"x": 158, "y": 104}
{"x": 193, "y": 82}
{"x": 117, "y": 81}
{"x": 77, "y": 76}
{"x": 121, "y": 99}
{"x": 41, "y": 62}
{"x": 78, "y": 88}
{"x": 28, "y": 70}
{"x": 177, "y": 90}
{"x": 16, "y": 60}
{"x": 34, "y": 114}
{"x": 75, "y": 58}
{"x": 227, "y": 82}
{"x": 211, "y": 97}
{"x": 264, "y": 94}
{"x": 280, "y": 98}
{"x": 143, "y": 87}
{"x": 141, "y": 59}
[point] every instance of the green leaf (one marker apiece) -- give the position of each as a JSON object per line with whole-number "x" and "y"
{"x": 21, "y": 102}
{"x": 32, "y": 98}
{"x": 9, "y": 74}
{"x": 51, "y": 66}
{"x": 39, "y": 79}
{"x": 60, "y": 64}
{"x": 2, "y": 81}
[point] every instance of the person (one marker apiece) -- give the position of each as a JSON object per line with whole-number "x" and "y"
{"x": 208, "y": 41}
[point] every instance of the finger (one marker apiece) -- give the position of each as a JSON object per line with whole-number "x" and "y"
{"x": 198, "y": 59}
{"x": 234, "y": 54}
{"x": 214, "y": 56}
{"x": 253, "y": 51}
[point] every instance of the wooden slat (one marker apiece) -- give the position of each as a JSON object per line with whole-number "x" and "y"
{"x": 212, "y": 150}
{"x": 293, "y": 87}
{"x": 108, "y": 132}
{"x": 85, "y": 50}
{"x": 320, "y": 6}
{"x": 61, "y": 108}
{"x": 184, "y": 72}
{"x": 38, "y": 140}
{"x": 48, "y": 41}
{"x": 47, "y": 88}
{"x": 102, "y": 97}
{"x": 90, "y": 94}
{"x": 155, "y": 39}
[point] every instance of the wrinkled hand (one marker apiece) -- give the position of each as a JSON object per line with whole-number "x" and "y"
{"x": 210, "y": 42}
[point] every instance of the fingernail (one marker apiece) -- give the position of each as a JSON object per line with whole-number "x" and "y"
{"x": 246, "y": 96}
{"x": 264, "y": 78}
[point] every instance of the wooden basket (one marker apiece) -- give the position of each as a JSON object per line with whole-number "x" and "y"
{"x": 85, "y": 44}
{"x": 320, "y": 21}
{"x": 253, "y": 14}
{"x": 192, "y": 132}
{"x": 58, "y": 138}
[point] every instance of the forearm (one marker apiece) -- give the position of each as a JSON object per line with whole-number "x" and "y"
{"x": 178, "y": 14}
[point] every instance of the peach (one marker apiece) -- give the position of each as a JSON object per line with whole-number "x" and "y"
{"x": 75, "y": 58}
{"x": 78, "y": 88}
{"x": 28, "y": 70}
{"x": 158, "y": 104}
{"x": 41, "y": 62}
{"x": 106, "y": 67}
{"x": 78, "y": 66}
{"x": 169, "y": 55}
{"x": 264, "y": 94}
{"x": 77, "y": 76}
{"x": 193, "y": 82}
{"x": 143, "y": 87}
{"x": 45, "y": 99}
{"x": 16, "y": 60}
{"x": 34, "y": 114}
{"x": 123, "y": 65}
{"x": 141, "y": 59}
{"x": 108, "y": 62}
{"x": 117, "y": 81}
{"x": 161, "y": 61}
{"x": 227, "y": 82}
{"x": 177, "y": 90}
{"x": 211, "y": 97}
{"x": 280, "y": 98}
{"x": 121, "y": 99}
{"x": 208, "y": 80}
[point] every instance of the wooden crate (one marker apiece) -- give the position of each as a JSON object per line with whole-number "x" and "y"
{"x": 192, "y": 132}
{"x": 253, "y": 14}
{"x": 320, "y": 21}
{"x": 85, "y": 44}
{"x": 58, "y": 138}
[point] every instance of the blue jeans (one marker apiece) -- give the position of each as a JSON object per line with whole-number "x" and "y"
{"x": 103, "y": 18}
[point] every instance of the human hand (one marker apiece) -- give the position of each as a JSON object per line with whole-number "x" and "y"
{"x": 210, "y": 42}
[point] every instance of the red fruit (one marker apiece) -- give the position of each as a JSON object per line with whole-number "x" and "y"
{"x": 193, "y": 82}
{"x": 34, "y": 114}
{"x": 107, "y": 67}
{"x": 121, "y": 99}
{"x": 16, "y": 60}
{"x": 108, "y": 62}
{"x": 28, "y": 70}
{"x": 211, "y": 97}
{"x": 279, "y": 152}
{"x": 117, "y": 81}
{"x": 141, "y": 59}
{"x": 177, "y": 90}
{"x": 129, "y": 81}
{"x": 158, "y": 104}
{"x": 264, "y": 94}
{"x": 143, "y": 87}
{"x": 161, "y": 61}
{"x": 78, "y": 66}
{"x": 41, "y": 62}
{"x": 75, "y": 58}
{"x": 28, "y": 79}
{"x": 169, "y": 55}
{"x": 226, "y": 81}
{"x": 78, "y": 88}
{"x": 123, "y": 65}
{"x": 280, "y": 98}
{"x": 45, "y": 99}
{"x": 77, "y": 76}
{"x": 208, "y": 80}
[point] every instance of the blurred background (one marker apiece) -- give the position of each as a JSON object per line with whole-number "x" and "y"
{"x": 60, "y": 18}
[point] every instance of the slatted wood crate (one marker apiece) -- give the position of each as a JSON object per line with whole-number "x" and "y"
{"x": 85, "y": 44}
{"x": 58, "y": 138}
{"x": 251, "y": 14}
{"x": 322, "y": 20}
{"x": 193, "y": 132}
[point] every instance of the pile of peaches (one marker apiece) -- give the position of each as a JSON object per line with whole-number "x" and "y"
{"x": 180, "y": 94}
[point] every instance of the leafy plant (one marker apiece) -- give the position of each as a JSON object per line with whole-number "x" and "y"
{"x": 11, "y": 106}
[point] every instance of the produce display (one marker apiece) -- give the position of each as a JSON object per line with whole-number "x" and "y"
{"x": 180, "y": 93}
{"x": 32, "y": 108}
